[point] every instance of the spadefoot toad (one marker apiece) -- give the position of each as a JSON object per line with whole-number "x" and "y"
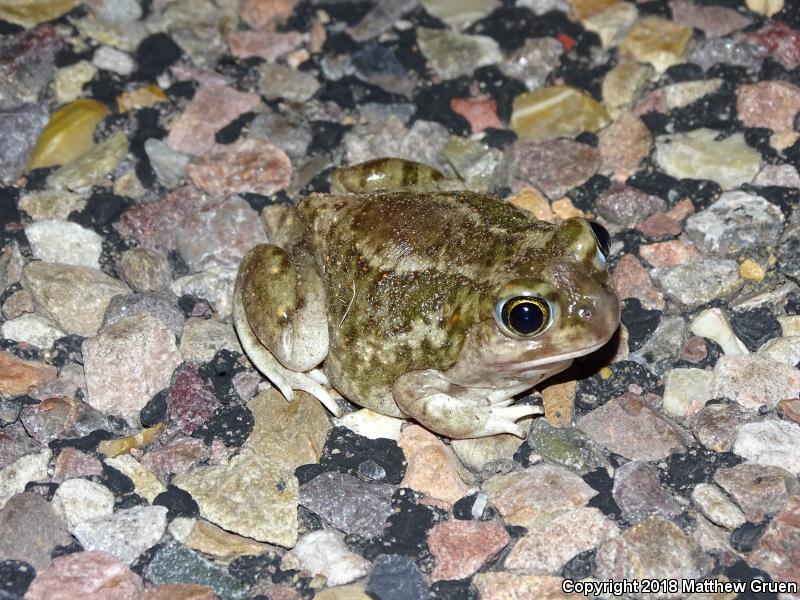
{"x": 419, "y": 302}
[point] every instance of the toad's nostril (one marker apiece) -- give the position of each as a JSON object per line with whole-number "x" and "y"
{"x": 585, "y": 313}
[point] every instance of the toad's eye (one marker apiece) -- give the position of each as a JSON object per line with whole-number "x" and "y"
{"x": 603, "y": 239}
{"x": 524, "y": 315}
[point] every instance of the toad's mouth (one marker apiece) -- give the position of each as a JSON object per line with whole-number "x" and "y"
{"x": 550, "y": 361}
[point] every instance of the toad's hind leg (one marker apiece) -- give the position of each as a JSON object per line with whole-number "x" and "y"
{"x": 280, "y": 315}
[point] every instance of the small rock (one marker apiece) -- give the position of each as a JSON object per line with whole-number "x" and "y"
{"x": 627, "y": 206}
{"x": 715, "y": 505}
{"x": 657, "y": 41}
{"x": 280, "y": 81}
{"x": 623, "y": 84}
{"x": 288, "y": 131}
{"x": 325, "y": 553}
{"x": 30, "y": 529}
{"x": 126, "y": 534}
{"x": 32, "y": 329}
{"x": 698, "y": 283}
{"x": 715, "y": 426}
{"x": 452, "y": 54}
{"x": 168, "y": 164}
{"x": 21, "y": 127}
{"x": 90, "y": 575}
{"x": 659, "y": 225}
{"x": 715, "y": 21}
{"x": 784, "y": 350}
{"x": 480, "y": 112}
{"x": 91, "y": 167}
{"x": 52, "y": 418}
{"x": 211, "y": 109}
{"x": 564, "y": 445}
{"x": 432, "y": 466}
{"x": 15, "y": 476}
{"x": 203, "y": 338}
{"x": 480, "y": 167}
{"x": 755, "y": 326}
{"x": 628, "y": 426}
{"x": 556, "y": 111}
{"x": 775, "y": 443}
{"x": 612, "y": 24}
{"x": 268, "y": 45}
{"x": 769, "y": 104}
{"x": 699, "y": 154}
{"x": 686, "y": 391}
{"x": 51, "y": 204}
{"x": 549, "y": 544}
{"x": 266, "y": 14}
{"x": 778, "y": 550}
{"x": 753, "y": 380}
{"x": 160, "y": 305}
{"x": 214, "y": 285}
{"x": 631, "y": 280}
{"x": 670, "y": 253}
{"x": 190, "y": 403}
{"x": 19, "y": 376}
{"x": 245, "y": 166}
{"x": 372, "y": 425}
{"x": 638, "y": 493}
{"x": 714, "y": 325}
{"x": 495, "y": 585}
{"x": 176, "y": 457}
{"x": 111, "y": 59}
{"x": 623, "y": 145}
{"x": 760, "y": 491}
{"x": 74, "y": 297}
{"x": 213, "y": 541}
{"x": 494, "y": 453}
{"x": 128, "y": 363}
{"x": 144, "y": 481}
{"x": 72, "y": 463}
{"x": 553, "y": 166}
{"x": 662, "y": 347}
{"x": 396, "y": 577}
{"x": 462, "y": 547}
{"x": 778, "y": 175}
{"x": 81, "y": 500}
{"x": 180, "y": 591}
{"x": 68, "y": 134}
{"x": 14, "y": 440}
{"x": 523, "y": 497}
{"x": 533, "y": 62}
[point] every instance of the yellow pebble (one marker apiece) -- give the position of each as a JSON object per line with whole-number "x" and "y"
{"x": 142, "y": 97}
{"x": 751, "y": 270}
{"x": 606, "y": 373}
{"x": 68, "y": 134}
{"x": 119, "y": 446}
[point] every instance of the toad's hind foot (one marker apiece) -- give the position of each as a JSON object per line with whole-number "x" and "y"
{"x": 502, "y": 419}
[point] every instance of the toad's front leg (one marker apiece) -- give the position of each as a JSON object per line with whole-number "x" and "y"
{"x": 280, "y": 314}
{"x": 453, "y": 411}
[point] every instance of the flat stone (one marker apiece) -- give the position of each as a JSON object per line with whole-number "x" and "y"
{"x": 778, "y": 175}
{"x": 480, "y": 112}
{"x": 14, "y": 440}
{"x": 211, "y": 109}
{"x": 657, "y": 41}
{"x": 495, "y": 585}
{"x": 91, "y": 167}
{"x": 144, "y": 481}
{"x": 372, "y": 425}
{"x": 169, "y": 165}
{"x": 349, "y": 504}
{"x": 51, "y": 204}
{"x": 670, "y": 253}
{"x": 715, "y": 21}
{"x": 523, "y": 497}
{"x": 269, "y": 45}
{"x": 30, "y": 529}
{"x": 451, "y": 54}
{"x": 18, "y": 376}
{"x": 715, "y": 505}
{"x": 281, "y": 81}
{"x": 32, "y": 329}
{"x": 432, "y": 466}
{"x": 770, "y": 104}
{"x": 753, "y": 380}
{"x": 180, "y": 591}
{"x": 91, "y": 575}
{"x": 715, "y": 426}
{"x": 761, "y": 491}
{"x": 623, "y": 145}
{"x": 190, "y": 403}
{"x": 203, "y": 338}
{"x": 213, "y": 285}
{"x": 479, "y": 166}
{"x": 459, "y": 14}
{"x": 15, "y": 476}
{"x": 324, "y": 553}
{"x": 82, "y": 500}
{"x": 612, "y": 23}
{"x": 54, "y": 417}
{"x": 396, "y": 577}
{"x": 631, "y": 280}
{"x": 785, "y": 350}
{"x": 735, "y": 222}
{"x": 462, "y": 547}
{"x": 700, "y": 282}
{"x": 553, "y": 166}
{"x": 126, "y": 534}
{"x": 698, "y": 154}
{"x": 72, "y": 463}
{"x": 342, "y": 592}
{"x": 175, "y": 457}
{"x": 68, "y": 134}
{"x": 533, "y": 62}
{"x": 775, "y": 443}
{"x": 564, "y": 445}
{"x": 652, "y": 549}
{"x": 686, "y": 391}
{"x": 625, "y": 205}
{"x": 778, "y": 550}
{"x": 556, "y": 111}
{"x": 128, "y": 363}
{"x": 623, "y": 84}
{"x": 549, "y": 544}
{"x": 145, "y": 270}
{"x": 659, "y": 225}
{"x": 713, "y": 324}
{"x": 628, "y": 426}
{"x": 161, "y": 305}
{"x": 21, "y": 126}
{"x": 214, "y": 542}
{"x": 638, "y": 493}
{"x": 246, "y": 166}
{"x": 484, "y": 455}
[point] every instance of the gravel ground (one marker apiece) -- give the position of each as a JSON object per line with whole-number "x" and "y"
{"x": 141, "y": 456}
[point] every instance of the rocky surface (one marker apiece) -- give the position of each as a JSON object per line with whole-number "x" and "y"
{"x": 143, "y": 458}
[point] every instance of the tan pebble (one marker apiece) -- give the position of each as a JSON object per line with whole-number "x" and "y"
{"x": 534, "y": 201}
{"x": 564, "y": 209}
{"x": 765, "y": 7}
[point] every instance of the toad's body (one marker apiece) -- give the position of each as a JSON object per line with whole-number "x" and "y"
{"x": 404, "y": 295}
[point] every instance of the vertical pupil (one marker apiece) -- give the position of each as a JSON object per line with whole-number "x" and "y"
{"x": 526, "y": 317}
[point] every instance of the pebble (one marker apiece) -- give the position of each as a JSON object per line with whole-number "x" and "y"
{"x": 631, "y": 280}
{"x": 715, "y": 426}
{"x": 18, "y": 376}
{"x": 248, "y": 165}
{"x": 74, "y": 297}
{"x": 372, "y": 425}
{"x": 553, "y": 166}
{"x": 714, "y": 21}
{"x": 214, "y": 285}
{"x": 90, "y": 575}
{"x": 670, "y": 253}
{"x": 72, "y": 463}
{"x": 433, "y": 468}
{"x": 396, "y": 577}
{"x": 760, "y": 491}
{"x": 16, "y": 475}
{"x": 533, "y": 62}
{"x": 342, "y": 592}
{"x": 698, "y": 283}
{"x": 657, "y": 41}
{"x": 753, "y": 380}
{"x": 495, "y": 585}
{"x": 324, "y": 553}
{"x": 211, "y": 109}
{"x": 190, "y": 403}
{"x": 480, "y": 167}
{"x": 775, "y": 443}
{"x": 451, "y": 54}
{"x": 160, "y": 305}
{"x": 549, "y": 544}
{"x": 461, "y": 548}
{"x": 69, "y": 80}
{"x": 380, "y": 19}
{"x": 769, "y": 104}
{"x": 778, "y": 175}
{"x": 203, "y": 338}
{"x": 81, "y": 500}
{"x": 51, "y": 204}
{"x": 623, "y": 145}
{"x": 623, "y": 84}
{"x": 639, "y": 494}
{"x": 714, "y": 325}
{"x": 92, "y": 166}
{"x": 778, "y": 550}
{"x": 738, "y": 51}
{"x": 348, "y": 503}
{"x": 612, "y": 24}
{"x": 627, "y": 206}
{"x": 492, "y": 454}
{"x": 280, "y": 81}
{"x": 175, "y": 457}
{"x": 784, "y": 350}
{"x": 767, "y": 8}
{"x": 144, "y": 481}
{"x": 556, "y": 111}
{"x": 168, "y": 164}
{"x": 54, "y": 417}
{"x": 30, "y": 529}
{"x": 523, "y": 497}
{"x": 128, "y": 363}
{"x": 698, "y": 154}
{"x": 459, "y": 14}
{"x": 736, "y": 222}
{"x": 212, "y": 541}
{"x": 145, "y": 270}
{"x": 659, "y": 225}
{"x": 715, "y": 505}
{"x": 126, "y": 534}
{"x": 564, "y": 445}
{"x": 21, "y": 126}
{"x": 663, "y": 346}
{"x": 175, "y": 563}
{"x": 32, "y": 329}
{"x": 628, "y": 426}
{"x": 268, "y": 45}
{"x": 686, "y": 391}
{"x": 179, "y": 591}
{"x": 652, "y": 549}
{"x": 114, "y": 60}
